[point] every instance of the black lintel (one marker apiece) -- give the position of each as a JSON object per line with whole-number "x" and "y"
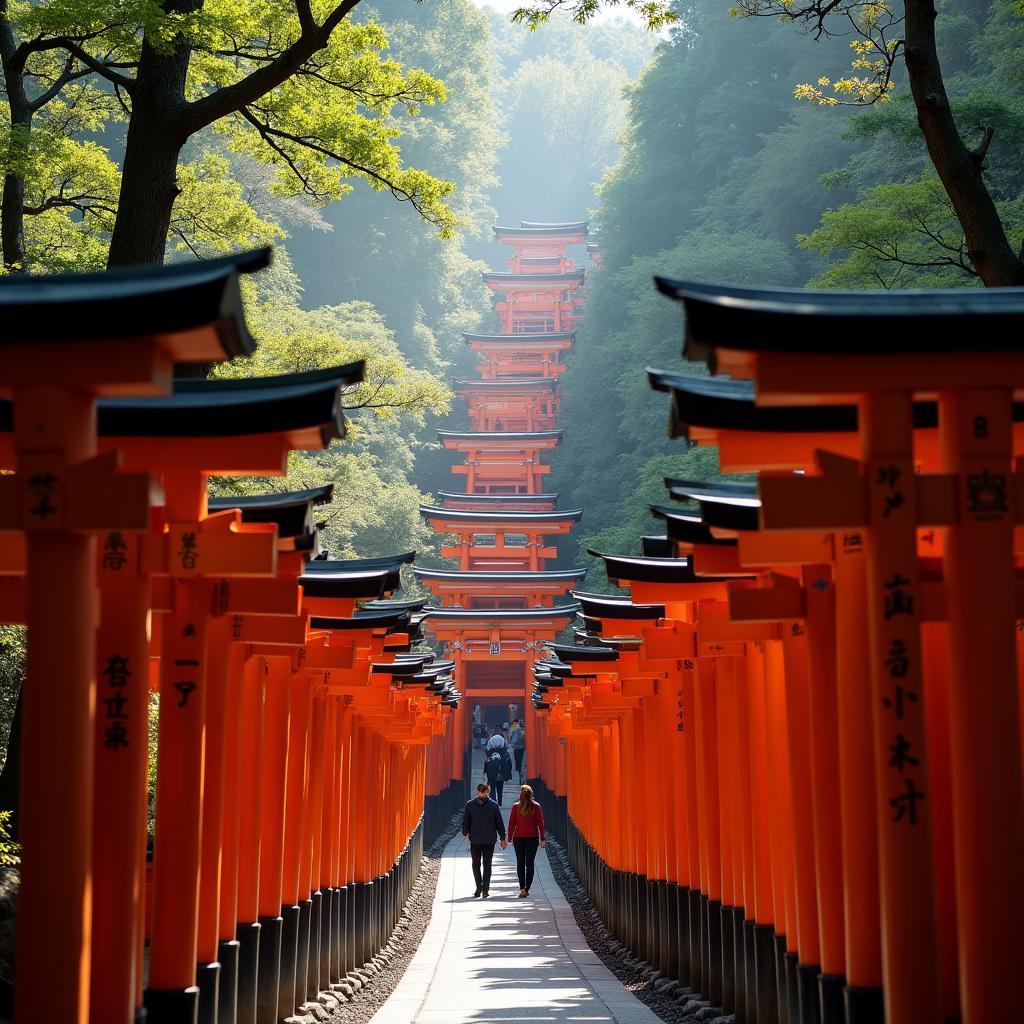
{"x": 235, "y": 407}
{"x": 688, "y": 527}
{"x": 388, "y": 620}
{"x": 657, "y": 547}
{"x": 362, "y": 583}
{"x": 290, "y": 510}
{"x": 572, "y": 652}
{"x": 653, "y": 570}
{"x": 598, "y": 608}
{"x": 798, "y": 320}
{"x": 131, "y": 303}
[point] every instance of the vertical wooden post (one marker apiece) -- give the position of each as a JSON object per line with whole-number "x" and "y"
{"x": 907, "y": 876}
{"x": 56, "y": 427}
{"x": 121, "y": 760}
{"x": 976, "y": 441}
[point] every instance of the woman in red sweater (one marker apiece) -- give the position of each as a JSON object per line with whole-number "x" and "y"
{"x": 526, "y": 831}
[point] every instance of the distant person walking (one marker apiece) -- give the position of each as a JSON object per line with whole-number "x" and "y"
{"x": 498, "y": 771}
{"x": 526, "y": 830}
{"x": 517, "y": 741}
{"x": 482, "y": 825}
{"x": 496, "y": 742}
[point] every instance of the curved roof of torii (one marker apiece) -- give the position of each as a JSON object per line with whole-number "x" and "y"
{"x": 460, "y": 576}
{"x": 530, "y": 384}
{"x": 496, "y": 437}
{"x": 503, "y": 278}
{"x": 562, "y": 611}
{"x": 497, "y": 499}
{"x": 499, "y": 515}
{"x": 521, "y": 338}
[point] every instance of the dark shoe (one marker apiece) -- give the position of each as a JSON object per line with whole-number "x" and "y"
{"x": 477, "y": 893}
{"x": 486, "y": 894}
{"x": 522, "y": 894}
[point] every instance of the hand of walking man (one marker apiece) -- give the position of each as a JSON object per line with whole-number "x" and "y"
{"x": 503, "y": 844}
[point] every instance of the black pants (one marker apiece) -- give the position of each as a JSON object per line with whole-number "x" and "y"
{"x": 485, "y": 851}
{"x": 519, "y": 760}
{"x": 497, "y": 789}
{"x": 526, "y": 854}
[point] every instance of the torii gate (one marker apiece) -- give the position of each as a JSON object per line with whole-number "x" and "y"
{"x": 65, "y": 343}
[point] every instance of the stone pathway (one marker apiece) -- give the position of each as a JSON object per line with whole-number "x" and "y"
{"x": 505, "y": 959}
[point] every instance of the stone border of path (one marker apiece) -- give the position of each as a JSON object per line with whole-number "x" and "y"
{"x": 412, "y": 992}
{"x": 667, "y": 999}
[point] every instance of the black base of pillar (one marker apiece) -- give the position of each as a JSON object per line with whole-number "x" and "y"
{"x": 670, "y": 948}
{"x": 248, "y": 970}
{"x": 172, "y": 1006}
{"x": 227, "y": 1000}
{"x": 315, "y": 933}
{"x": 780, "y": 979}
{"x": 697, "y": 975}
{"x": 792, "y": 988}
{"x": 328, "y": 912}
{"x": 864, "y": 1005}
{"x": 809, "y": 999}
{"x": 728, "y": 958}
{"x": 269, "y": 970}
{"x": 208, "y": 983}
{"x": 713, "y": 940}
{"x": 304, "y": 990}
{"x": 290, "y": 914}
{"x": 684, "y": 973}
{"x": 830, "y": 992}
{"x": 766, "y": 988}
{"x": 749, "y": 971}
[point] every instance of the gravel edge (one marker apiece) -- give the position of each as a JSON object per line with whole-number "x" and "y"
{"x": 361, "y": 994}
{"x": 667, "y": 999}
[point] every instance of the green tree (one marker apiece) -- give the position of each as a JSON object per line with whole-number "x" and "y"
{"x": 890, "y": 39}
{"x": 375, "y": 506}
{"x": 295, "y": 85}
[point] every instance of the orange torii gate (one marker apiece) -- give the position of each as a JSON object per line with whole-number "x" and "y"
{"x": 538, "y": 246}
{"x": 506, "y": 462}
{"x": 915, "y": 346}
{"x": 536, "y": 303}
{"x": 185, "y": 558}
{"x": 504, "y": 516}
{"x": 481, "y": 589}
{"x": 65, "y": 344}
{"x": 500, "y": 541}
{"x": 530, "y": 356}
{"x": 511, "y": 502}
{"x": 511, "y": 405}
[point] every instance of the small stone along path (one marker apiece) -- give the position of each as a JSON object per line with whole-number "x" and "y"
{"x": 505, "y": 959}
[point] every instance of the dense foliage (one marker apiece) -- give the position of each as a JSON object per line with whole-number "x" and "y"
{"x": 726, "y": 176}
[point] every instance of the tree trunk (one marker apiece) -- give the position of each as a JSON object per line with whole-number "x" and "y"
{"x": 959, "y": 169}
{"x": 148, "y": 190}
{"x": 156, "y": 135}
{"x": 12, "y": 202}
{"x": 10, "y": 776}
{"x": 12, "y": 207}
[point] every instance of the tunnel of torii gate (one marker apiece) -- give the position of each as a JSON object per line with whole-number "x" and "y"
{"x": 502, "y": 600}
{"x": 803, "y": 711}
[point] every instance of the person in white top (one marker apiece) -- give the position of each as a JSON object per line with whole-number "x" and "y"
{"x": 496, "y": 742}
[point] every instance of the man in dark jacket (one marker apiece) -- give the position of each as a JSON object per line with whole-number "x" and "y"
{"x": 482, "y": 824}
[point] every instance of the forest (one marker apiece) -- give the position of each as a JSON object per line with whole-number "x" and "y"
{"x": 725, "y": 144}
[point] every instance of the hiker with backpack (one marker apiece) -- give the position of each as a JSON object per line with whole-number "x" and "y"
{"x": 526, "y": 833}
{"x": 498, "y": 771}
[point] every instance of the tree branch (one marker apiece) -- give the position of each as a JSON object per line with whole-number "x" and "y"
{"x": 232, "y": 98}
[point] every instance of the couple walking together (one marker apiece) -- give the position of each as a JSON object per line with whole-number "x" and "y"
{"x": 483, "y": 825}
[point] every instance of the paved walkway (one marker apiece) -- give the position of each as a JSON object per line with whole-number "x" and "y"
{"x": 505, "y": 959}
